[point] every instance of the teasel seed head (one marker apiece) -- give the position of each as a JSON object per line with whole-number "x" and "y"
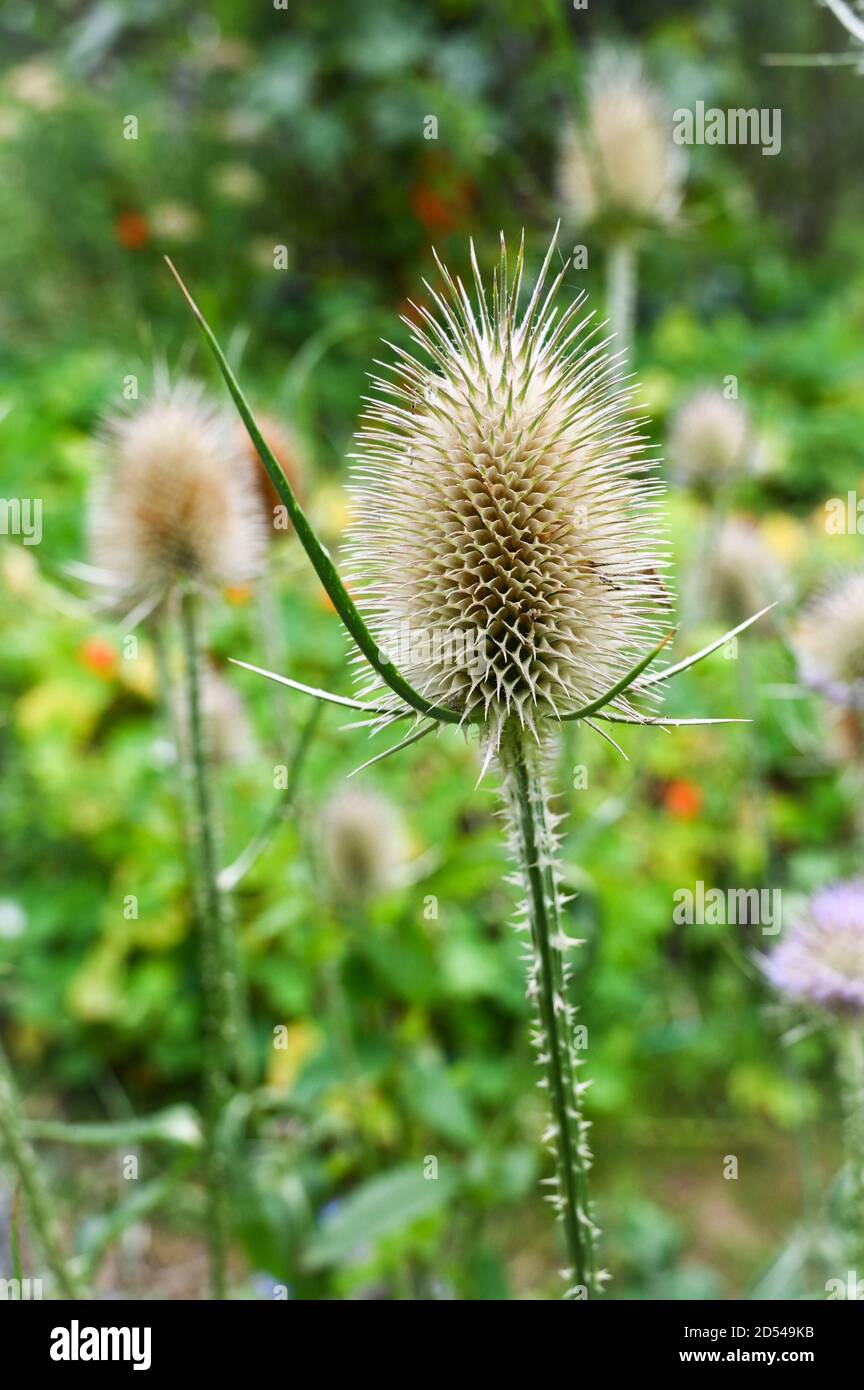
{"x": 228, "y": 732}
{"x": 506, "y": 536}
{"x": 734, "y": 574}
{"x": 829, "y": 643}
{"x": 364, "y": 845}
{"x": 710, "y": 443}
{"x": 175, "y": 503}
{"x": 620, "y": 167}
{"x": 820, "y": 960}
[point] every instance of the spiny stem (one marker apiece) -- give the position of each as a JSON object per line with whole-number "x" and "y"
{"x": 33, "y": 1185}
{"x": 621, "y": 269}
{"x": 216, "y": 956}
{"x": 534, "y": 841}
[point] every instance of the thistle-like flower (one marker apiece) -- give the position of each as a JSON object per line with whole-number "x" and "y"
{"x": 734, "y": 574}
{"x": 829, "y": 643}
{"x": 175, "y": 504}
{"x": 710, "y": 443}
{"x": 820, "y": 961}
{"x": 506, "y": 550}
{"x": 506, "y": 538}
{"x": 363, "y": 840}
{"x": 620, "y": 166}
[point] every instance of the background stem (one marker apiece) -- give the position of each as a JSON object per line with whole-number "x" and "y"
{"x": 534, "y": 842}
{"x": 33, "y": 1185}
{"x": 621, "y": 272}
{"x": 852, "y": 1080}
{"x": 217, "y": 956}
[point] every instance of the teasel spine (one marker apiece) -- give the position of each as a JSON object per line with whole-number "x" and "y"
{"x": 533, "y": 843}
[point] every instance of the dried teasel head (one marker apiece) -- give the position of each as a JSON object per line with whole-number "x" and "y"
{"x": 175, "y": 503}
{"x": 710, "y": 442}
{"x": 734, "y": 573}
{"x": 620, "y": 166}
{"x": 506, "y": 537}
{"x": 364, "y": 844}
{"x": 829, "y": 643}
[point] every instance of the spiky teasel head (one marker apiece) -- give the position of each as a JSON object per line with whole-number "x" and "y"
{"x": 364, "y": 844}
{"x": 829, "y": 643}
{"x": 734, "y": 574}
{"x": 620, "y": 167}
{"x": 175, "y": 504}
{"x": 820, "y": 961}
{"x": 506, "y": 533}
{"x": 710, "y": 442}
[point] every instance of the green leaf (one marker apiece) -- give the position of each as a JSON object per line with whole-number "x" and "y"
{"x": 433, "y": 1098}
{"x": 379, "y": 1208}
{"x": 323, "y": 565}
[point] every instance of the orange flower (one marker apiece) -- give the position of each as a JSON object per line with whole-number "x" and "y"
{"x": 238, "y": 595}
{"x": 431, "y": 209}
{"x": 132, "y": 230}
{"x": 682, "y": 799}
{"x": 98, "y": 656}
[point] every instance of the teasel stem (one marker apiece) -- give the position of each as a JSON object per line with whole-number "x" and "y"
{"x": 533, "y": 842}
{"x": 621, "y": 276}
{"x": 852, "y": 1082}
{"x": 33, "y": 1185}
{"x": 217, "y": 954}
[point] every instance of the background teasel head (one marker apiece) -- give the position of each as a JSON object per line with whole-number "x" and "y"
{"x": 364, "y": 845}
{"x": 820, "y": 960}
{"x": 619, "y": 167}
{"x": 710, "y": 442}
{"x": 733, "y": 574}
{"x": 228, "y": 732}
{"x": 506, "y": 511}
{"x": 175, "y": 504}
{"x": 829, "y": 643}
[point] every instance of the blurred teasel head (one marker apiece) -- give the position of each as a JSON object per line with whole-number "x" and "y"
{"x": 228, "y": 733}
{"x": 829, "y": 643}
{"x": 175, "y": 504}
{"x": 364, "y": 845}
{"x": 820, "y": 961}
{"x": 619, "y": 166}
{"x": 710, "y": 443}
{"x": 506, "y": 536}
{"x": 734, "y": 573}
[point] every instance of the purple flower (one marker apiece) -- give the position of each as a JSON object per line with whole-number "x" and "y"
{"x": 820, "y": 960}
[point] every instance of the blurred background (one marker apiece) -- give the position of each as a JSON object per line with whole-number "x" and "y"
{"x": 279, "y": 157}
